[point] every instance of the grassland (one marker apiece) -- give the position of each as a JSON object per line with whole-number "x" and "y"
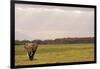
{"x": 56, "y": 53}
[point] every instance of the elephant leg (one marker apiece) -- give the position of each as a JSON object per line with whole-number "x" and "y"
{"x": 33, "y": 53}
{"x": 30, "y": 56}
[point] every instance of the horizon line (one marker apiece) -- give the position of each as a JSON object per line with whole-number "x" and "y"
{"x": 55, "y": 38}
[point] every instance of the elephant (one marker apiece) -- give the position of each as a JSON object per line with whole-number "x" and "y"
{"x": 31, "y": 49}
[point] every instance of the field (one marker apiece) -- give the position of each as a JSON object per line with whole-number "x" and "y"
{"x": 56, "y": 53}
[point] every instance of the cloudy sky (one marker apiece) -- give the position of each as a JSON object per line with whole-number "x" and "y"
{"x": 50, "y": 22}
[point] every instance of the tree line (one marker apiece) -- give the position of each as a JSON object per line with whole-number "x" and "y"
{"x": 58, "y": 41}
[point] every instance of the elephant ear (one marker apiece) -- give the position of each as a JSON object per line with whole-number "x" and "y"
{"x": 25, "y": 46}
{"x": 35, "y": 45}
{"x": 28, "y": 46}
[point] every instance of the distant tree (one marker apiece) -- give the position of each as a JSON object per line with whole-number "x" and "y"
{"x": 18, "y": 42}
{"x": 58, "y": 41}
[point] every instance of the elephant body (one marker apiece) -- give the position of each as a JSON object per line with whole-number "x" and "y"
{"x": 31, "y": 49}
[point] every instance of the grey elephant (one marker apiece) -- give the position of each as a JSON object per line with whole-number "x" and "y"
{"x": 31, "y": 49}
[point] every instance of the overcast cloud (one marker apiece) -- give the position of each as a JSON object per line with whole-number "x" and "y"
{"x": 50, "y": 22}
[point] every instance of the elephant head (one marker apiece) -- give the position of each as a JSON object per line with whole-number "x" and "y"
{"x": 31, "y": 49}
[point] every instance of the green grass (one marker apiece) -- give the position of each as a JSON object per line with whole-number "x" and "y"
{"x": 56, "y": 53}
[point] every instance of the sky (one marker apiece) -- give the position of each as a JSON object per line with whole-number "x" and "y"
{"x": 50, "y": 22}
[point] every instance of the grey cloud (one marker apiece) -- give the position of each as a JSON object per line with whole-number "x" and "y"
{"x": 49, "y": 22}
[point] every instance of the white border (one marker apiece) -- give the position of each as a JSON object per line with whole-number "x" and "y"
{"x": 5, "y": 34}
